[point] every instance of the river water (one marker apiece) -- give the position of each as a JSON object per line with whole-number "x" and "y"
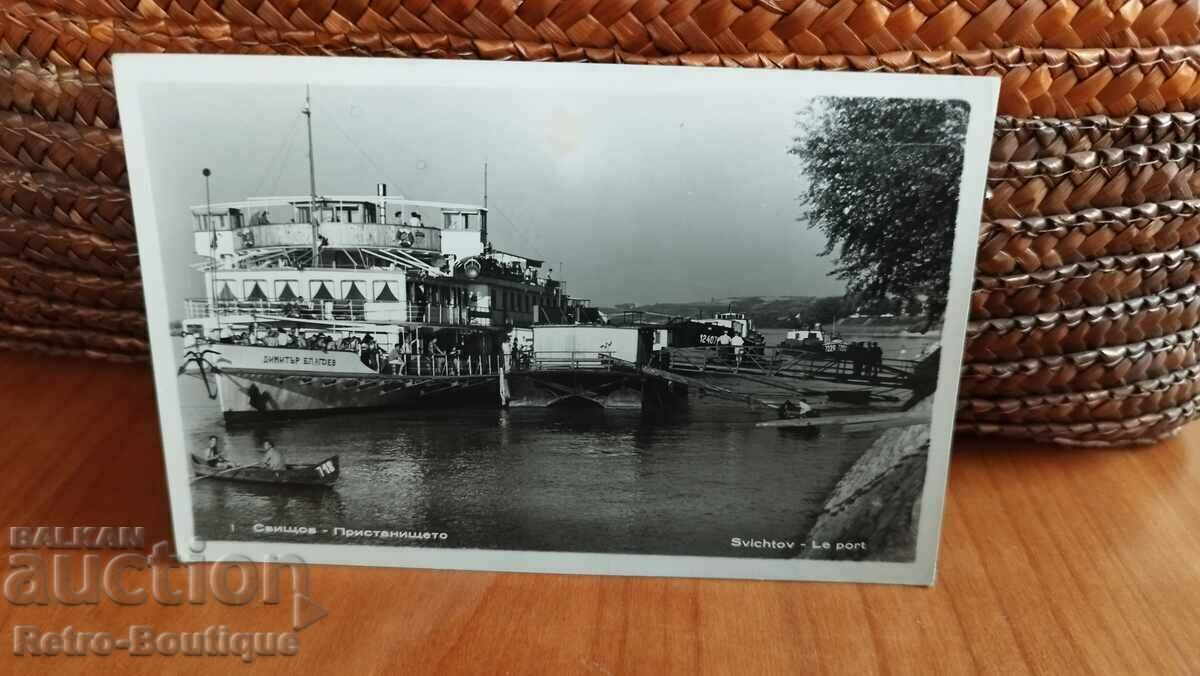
{"x": 573, "y": 480}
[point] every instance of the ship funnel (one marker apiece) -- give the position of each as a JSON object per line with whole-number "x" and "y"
{"x": 381, "y": 192}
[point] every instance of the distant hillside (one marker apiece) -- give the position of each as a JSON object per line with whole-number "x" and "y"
{"x": 776, "y": 312}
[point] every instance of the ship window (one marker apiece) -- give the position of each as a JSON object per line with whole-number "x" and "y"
{"x": 253, "y": 289}
{"x": 319, "y": 290}
{"x": 285, "y": 290}
{"x": 353, "y": 290}
{"x": 384, "y": 293}
{"x": 303, "y": 214}
{"x": 226, "y": 293}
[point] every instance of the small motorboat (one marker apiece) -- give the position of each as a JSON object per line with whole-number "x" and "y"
{"x": 322, "y": 473}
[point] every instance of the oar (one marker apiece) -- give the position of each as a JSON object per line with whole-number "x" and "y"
{"x": 224, "y": 471}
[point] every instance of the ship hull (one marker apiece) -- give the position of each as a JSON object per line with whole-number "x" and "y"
{"x": 249, "y": 395}
{"x": 256, "y": 382}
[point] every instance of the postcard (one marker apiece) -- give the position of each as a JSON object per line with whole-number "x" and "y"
{"x": 549, "y": 317}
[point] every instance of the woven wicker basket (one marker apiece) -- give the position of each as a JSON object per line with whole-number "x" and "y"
{"x": 1085, "y": 312}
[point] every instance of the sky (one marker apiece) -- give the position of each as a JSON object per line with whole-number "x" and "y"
{"x": 631, "y": 198}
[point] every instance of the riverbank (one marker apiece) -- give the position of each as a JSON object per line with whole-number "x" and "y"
{"x": 878, "y": 501}
{"x": 860, "y": 328}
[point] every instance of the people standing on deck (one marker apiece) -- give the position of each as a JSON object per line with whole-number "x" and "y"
{"x": 738, "y": 344}
{"x": 369, "y": 352}
{"x": 435, "y": 351}
{"x": 506, "y": 351}
{"x": 724, "y": 345}
{"x": 364, "y": 349}
{"x": 855, "y": 352}
{"x": 422, "y": 303}
{"x": 395, "y": 358}
{"x": 213, "y": 457}
{"x": 273, "y": 457}
{"x": 408, "y": 348}
{"x": 452, "y": 357}
{"x": 876, "y": 358}
{"x": 378, "y": 356}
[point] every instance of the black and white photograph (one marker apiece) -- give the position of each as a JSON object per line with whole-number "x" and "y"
{"x": 557, "y": 317}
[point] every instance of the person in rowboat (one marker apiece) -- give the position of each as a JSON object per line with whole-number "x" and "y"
{"x": 213, "y": 457}
{"x": 273, "y": 457}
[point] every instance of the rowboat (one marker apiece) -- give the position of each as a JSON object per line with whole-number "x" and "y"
{"x": 322, "y": 473}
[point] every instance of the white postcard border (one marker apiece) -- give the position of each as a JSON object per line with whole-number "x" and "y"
{"x": 133, "y": 71}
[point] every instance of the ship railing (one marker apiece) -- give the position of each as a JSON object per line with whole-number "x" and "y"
{"x": 555, "y": 360}
{"x": 514, "y": 270}
{"x": 848, "y": 363}
{"x": 443, "y": 365}
{"x": 703, "y": 356}
{"x": 441, "y": 314}
{"x": 343, "y": 234}
{"x": 406, "y": 364}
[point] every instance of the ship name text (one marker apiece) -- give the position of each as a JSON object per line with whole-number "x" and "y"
{"x": 289, "y": 360}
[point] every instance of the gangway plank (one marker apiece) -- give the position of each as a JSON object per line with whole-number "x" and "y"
{"x": 715, "y": 390}
{"x": 796, "y": 372}
{"x": 826, "y": 366}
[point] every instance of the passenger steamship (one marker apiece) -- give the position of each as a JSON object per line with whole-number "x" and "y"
{"x": 348, "y": 301}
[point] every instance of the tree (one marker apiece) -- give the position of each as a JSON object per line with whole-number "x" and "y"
{"x": 883, "y": 178}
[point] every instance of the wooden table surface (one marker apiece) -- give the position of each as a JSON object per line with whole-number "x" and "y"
{"x": 1052, "y": 560}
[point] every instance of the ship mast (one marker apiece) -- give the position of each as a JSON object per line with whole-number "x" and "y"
{"x": 483, "y": 233}
{"x": 212, "y": 248}
{"x": 312, "y": 176}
